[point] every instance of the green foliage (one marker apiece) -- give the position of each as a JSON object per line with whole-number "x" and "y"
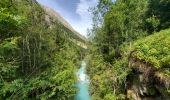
{"x": 167, "y": 72}
{"x": 120, "y": 71}
{"x": 152, "y": 91}
{"x": 100, "y": 80}
{"x": 120, "y": 29}
{"x": 109, "y": 97}
{"x": 9, "y": 24}
{"x": 8, "y": 58}
{"x": 124, "y": 22}
{"x": 36, "y": 62}
{"x": 152, "y": 24}
{"x": 160, "y": 10}
{"x": 152, "y": 51}
{"x": 168, "y": 91}
{"x": 107, "y": 80}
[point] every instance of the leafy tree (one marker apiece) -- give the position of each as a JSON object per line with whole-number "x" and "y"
{"x": 159, "y": 9}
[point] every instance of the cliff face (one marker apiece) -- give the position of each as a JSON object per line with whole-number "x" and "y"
{"x": 147, "y": 82}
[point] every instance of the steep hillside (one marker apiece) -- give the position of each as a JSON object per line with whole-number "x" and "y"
{"x": 150, "y": 64}
{"x": 37, "y": 60}
{"x": 51, "y": 14}
{"x": 130, "y": 52}
{"x": 56, "y": 17}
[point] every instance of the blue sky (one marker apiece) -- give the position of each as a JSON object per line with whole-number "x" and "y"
{"x": 74, "y": 11}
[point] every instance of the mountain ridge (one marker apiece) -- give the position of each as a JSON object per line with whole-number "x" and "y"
{"x": 56, "y": 16}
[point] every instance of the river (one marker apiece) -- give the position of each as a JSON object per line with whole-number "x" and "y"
{"x": 83, "y": 83}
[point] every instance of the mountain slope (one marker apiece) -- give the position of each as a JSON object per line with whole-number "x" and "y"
{"x": 55, "y": 16}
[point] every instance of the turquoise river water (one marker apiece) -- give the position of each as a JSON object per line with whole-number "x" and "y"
{"x": 83, "y": 83}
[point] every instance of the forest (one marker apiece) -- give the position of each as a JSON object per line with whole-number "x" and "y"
{"x": 128, "y": 55}
{"x": 130, "y": 52}
{"x": 37, "y": 61}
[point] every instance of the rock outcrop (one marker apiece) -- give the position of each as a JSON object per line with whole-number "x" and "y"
{"x": 146, "y": 82}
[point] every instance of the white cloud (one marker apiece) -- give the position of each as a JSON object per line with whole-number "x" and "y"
{"x": 86, "y": 17}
